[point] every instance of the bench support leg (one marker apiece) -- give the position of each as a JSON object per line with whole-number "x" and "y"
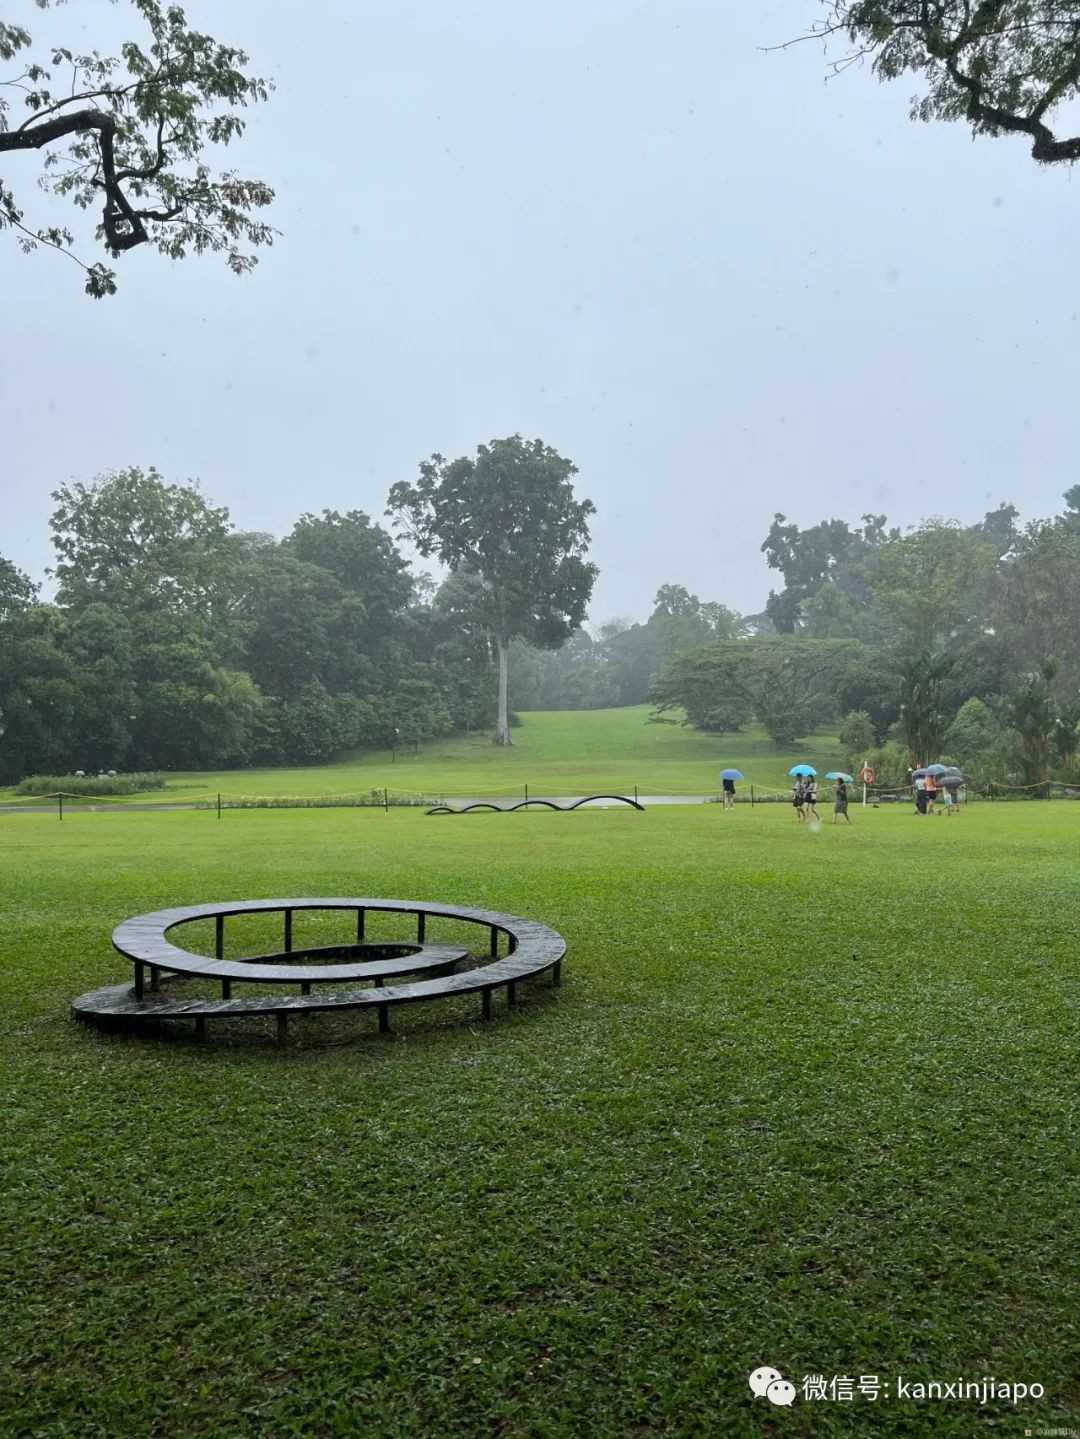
{"x": 305, "y": 986}
{"x": 288, "y": 931}
{"x": 359, "y": 926}
{"x": 140, "y": 983}
{"x": 511, "y": 992}
{"x": 485, "y": 1003}
{"x": 282, "y": 1028}
{"x": 200, "y": 1026}
{"x": 226, "y": 989}
{"x": 556, "y": 973}
{"x": 494, "y": 943}
{"x": 421, "y": 926}
{"x": 219, "y": 936}
{"x": 384, "y": 1019}
{"x": 155, "y": 977}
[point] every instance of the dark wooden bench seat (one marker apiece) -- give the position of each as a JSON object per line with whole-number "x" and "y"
{"x": 533, "y": 949}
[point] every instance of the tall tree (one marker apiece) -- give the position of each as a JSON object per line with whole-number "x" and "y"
{"x": 1006, "y": 67}
{"x": 363, "y": 559}
{"x": 926, "y": 679}
{"x": 509, "y": 518}
{"x": 788, "y": 683}
{"x": 1032, "y": 712}
{"x": 126, "y": 137}
{"x": 17, "y": 590}
{"x": 133, "y": 541}
{"x": 1036, "y": 602}
{"x": 931, "y": 587}
{"x": 828, "y": 552}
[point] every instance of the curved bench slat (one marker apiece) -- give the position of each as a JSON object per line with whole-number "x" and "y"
{"x": 535, "y": 949}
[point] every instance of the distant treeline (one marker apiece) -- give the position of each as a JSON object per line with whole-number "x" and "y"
{"x": 175, "y": 642}
{"x": 946, "y": 641}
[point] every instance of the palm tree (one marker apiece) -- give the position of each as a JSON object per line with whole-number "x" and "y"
{"x": 1067, "y": 735}
{"x": 1033, "y": 714}
{"x": 925, "y": 686}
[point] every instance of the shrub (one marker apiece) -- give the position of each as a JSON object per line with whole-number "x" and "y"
{"x": 368, "y": 800}
{"x": 856, "y": 737}
{"x": 90, "y": 785}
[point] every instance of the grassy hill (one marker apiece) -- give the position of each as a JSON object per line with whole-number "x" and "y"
{"x": 563, "y": 752}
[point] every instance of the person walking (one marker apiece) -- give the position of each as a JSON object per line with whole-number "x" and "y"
{"x": 920, "y": 794}
{"x": 799, "y": 798}
{"x": 952, "y": 800}
{"x": 840, "y": 802}
{"x": 931, "y": 794}
{"x": 811, "y": 798}
{"x": 729, "y": 793}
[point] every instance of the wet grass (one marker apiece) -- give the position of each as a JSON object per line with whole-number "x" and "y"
{"x": 804, "y": 1099}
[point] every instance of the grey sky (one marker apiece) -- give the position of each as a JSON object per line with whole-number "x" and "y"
{"x": 720, "y": 285}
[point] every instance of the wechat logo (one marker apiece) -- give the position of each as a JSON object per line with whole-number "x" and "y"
{"x": 770, "y": 1384}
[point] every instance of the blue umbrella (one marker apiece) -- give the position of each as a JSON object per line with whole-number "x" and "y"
{"x": 839, "y": 774}
{"x": 936, "y": 769}
{"x": 732, "y": 774}
{"x": 803, "y": 769}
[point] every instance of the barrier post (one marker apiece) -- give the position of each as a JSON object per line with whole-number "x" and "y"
{"x": 60, "y": 804}
{"x": 219, "y": 806}
{"x": 385, "y": 801}
{"x": 635, "y": 795}
{"x": 526, "y": 794}
{"x": 751, "y": 796}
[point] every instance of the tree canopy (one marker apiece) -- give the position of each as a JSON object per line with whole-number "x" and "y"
{"x": 1005, "y": 67}
{"x": 126, "y": 136}
{"x": 509, "y": 519}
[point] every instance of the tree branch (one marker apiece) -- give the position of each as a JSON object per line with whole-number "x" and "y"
{"x": 1047, "y": 147}
{"x": 79, "y": 120}
{"x": 123, "y": 227}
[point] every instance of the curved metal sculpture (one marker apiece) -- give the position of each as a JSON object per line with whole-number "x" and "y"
{"x": 532, "y": 803}
{"x": 531, "y": 950}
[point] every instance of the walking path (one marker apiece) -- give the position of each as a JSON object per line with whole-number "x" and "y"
{"x": 502, "y": 801}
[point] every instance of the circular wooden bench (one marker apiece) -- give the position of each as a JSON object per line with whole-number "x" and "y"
{"x": 532, "y": 949}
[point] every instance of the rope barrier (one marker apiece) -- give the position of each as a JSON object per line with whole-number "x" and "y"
{"x": 205, "y": 797}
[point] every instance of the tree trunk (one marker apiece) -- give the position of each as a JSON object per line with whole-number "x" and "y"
{"x": 502, "y": 730}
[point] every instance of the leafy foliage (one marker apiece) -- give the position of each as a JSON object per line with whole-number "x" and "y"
{"x": 126, "y": 136}
{"x": 1005, "y": 67}
{"x": 788, "y": 684}
{"x": 925, "y": 703}
{"x": 508, "y": 521}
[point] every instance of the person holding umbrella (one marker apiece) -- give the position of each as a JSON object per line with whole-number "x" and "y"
{"x": 812, "y": 798}
{"x": 727, "y": 780}
{"x": 950, "y": 783}
{"x": 840, "y": 794}
{"x": 802, "y": 773}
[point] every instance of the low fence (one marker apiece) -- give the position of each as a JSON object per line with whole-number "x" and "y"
{"x": 384, "y": 798}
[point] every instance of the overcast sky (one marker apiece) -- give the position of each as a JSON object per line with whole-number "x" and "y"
{"x": 720, "y": 285}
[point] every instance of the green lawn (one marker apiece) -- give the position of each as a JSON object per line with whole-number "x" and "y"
{"x": 612, "y": 750}
{"x": 804, "y": 1099}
